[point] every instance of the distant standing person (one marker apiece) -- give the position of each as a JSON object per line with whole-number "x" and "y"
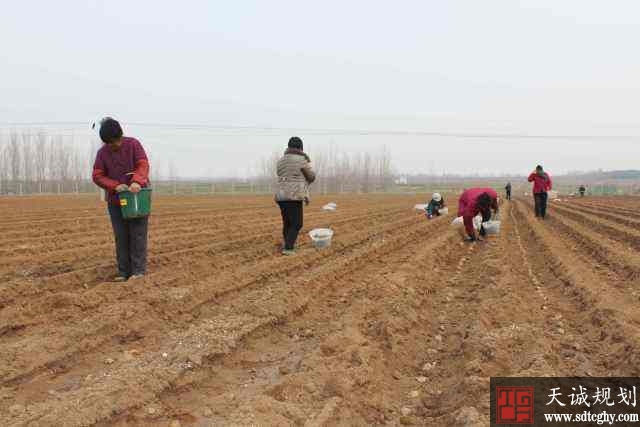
{"x": 294, "y": 177}
{"x": 582, "y": 190}
{"x": 476, "y": 201}
{"x": 541, "y": 185}
{"x": 507, "y": 189}
{"x": 122, "y": 165}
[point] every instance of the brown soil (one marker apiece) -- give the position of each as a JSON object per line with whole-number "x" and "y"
{"x": 398, "y": 323}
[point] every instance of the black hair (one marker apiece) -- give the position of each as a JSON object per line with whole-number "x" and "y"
{"x": 295, "y": 142}
{"x": 539, "y": 167}
{"x": 484, "y": 201}
{"x": 110, "y": 130}
{"x": 484, "y": 205}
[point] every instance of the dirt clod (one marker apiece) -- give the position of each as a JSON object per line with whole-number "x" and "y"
{"x": 407, "y": 421}
{"x": 468, "y": 417}
{"x": 428, "y": 367}
{"x": 16, "y": 410}
{"x": 284, "y": 370}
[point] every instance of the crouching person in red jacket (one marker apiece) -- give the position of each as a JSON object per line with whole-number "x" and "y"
{"x": 476, "y": 201}
{"x": 122, "y": 165}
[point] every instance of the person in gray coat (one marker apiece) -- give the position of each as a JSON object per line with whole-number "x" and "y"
{"x": 294, "y": 177}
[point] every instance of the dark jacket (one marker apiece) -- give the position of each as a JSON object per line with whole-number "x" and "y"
{"x": 433, "y": 206}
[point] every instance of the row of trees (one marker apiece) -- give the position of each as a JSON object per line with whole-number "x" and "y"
{"x": 33, "y": 162}
{"x": 340, "y": 172}
{"x": 36, "y": 162}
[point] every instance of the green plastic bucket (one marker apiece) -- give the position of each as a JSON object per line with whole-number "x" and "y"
{"x": 135, "y": 205}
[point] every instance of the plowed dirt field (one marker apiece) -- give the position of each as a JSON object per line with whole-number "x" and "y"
{"x": 398, "y": 322}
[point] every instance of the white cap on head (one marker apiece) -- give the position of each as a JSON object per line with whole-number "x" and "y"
{"x": 437, "y": 197}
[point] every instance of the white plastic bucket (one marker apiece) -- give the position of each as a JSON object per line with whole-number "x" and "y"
{"x": 321, "y": 237}
{"x": 420, "y": 207}
{"x": 444, "y": 211}
{"x": 459, "y": 221}
{"x": 492, "y": 227}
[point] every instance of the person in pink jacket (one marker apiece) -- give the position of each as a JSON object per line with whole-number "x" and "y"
{"x": 476, "y": 201}
{"x": 541, "y": 184}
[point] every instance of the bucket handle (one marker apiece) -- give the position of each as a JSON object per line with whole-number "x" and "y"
{"x": 135, "y": 195}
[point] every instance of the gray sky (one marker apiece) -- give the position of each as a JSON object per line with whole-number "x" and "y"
{"x": 543, "y": 67}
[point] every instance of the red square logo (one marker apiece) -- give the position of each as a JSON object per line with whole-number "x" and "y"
{"x": 514, "y": 405}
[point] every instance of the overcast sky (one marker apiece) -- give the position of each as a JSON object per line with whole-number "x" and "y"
{"x": 538, "y": 67}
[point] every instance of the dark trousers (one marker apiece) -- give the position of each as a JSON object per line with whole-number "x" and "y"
{"x": 540, "y": 202}
{"x": 292, "y": 220}
{"x": 508, "y": 194}
{"x": 131, "y": 242}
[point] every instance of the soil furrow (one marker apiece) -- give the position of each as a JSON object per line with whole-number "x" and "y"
{"x": 206, "y": 338}
{"x": 188, "y": 258}
{"x": 64, "y": 341}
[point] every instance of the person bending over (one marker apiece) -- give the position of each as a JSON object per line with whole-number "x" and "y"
{"x": 476, "y": 201}
{"x": 435, "y": 204}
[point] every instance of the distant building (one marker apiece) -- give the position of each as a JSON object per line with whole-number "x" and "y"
{"x": 402, "y": 180}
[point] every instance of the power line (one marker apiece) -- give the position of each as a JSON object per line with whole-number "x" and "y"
{"x": 234, "y": 130}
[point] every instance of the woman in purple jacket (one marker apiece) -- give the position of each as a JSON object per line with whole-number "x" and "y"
{"x": 122, "y": 165}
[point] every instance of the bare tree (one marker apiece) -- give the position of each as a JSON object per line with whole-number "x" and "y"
{"x": 319, "y": 161}
{"x": 385, "y": 173}
{"x": 4, "y": 165}
{"x": 367, "y": 172}
{"x": 76, "y": 167}
{"x": 267, "y": 169}
{"x": 40, "y": 158}
{"x": 14, "y": 159}
{"x": 59, "y": 162}
{"x": 27, "y": 162}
